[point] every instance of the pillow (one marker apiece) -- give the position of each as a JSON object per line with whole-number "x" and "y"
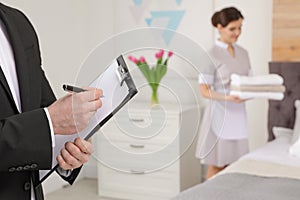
{"x": 282, "y": 132}
{"x": 296, "y": 133}
{"x": 295, "y": 142}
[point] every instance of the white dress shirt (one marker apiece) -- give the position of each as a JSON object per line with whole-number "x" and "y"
{"x": 7, "y": 63}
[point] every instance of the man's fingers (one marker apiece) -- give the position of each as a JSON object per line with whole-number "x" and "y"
{"x": 70, "y": 159}
{"x": 75, "y": 151}
{"x": 85, "y": 146}
{"x": 89, "y": 107}
{"x": 88, "y": 101}
{"x": 62, "y": 163}
{"x": 75, "y": 154}
{"x": 90, "y": 95}
{"x": 95, "y": 105}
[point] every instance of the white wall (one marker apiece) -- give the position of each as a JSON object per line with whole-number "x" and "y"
{"x": 68, "y": 30}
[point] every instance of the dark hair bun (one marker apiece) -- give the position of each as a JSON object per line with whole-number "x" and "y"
{"x": 225, "y": 16}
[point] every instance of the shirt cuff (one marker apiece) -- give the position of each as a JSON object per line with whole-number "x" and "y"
{"x": 51, "y": 126}
{"x": 63, "y": 172}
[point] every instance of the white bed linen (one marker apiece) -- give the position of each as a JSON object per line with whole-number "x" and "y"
{"x": 271, "y": 160}
{"x": 276, "y": 151}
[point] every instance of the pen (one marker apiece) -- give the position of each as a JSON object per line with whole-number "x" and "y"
{"x": 71, "y": 88}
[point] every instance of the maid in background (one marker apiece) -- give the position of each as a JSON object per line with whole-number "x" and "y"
{"x": 223, "y": 136}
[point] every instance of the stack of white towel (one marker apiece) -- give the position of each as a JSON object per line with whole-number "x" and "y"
{"x": 265, "y": 86}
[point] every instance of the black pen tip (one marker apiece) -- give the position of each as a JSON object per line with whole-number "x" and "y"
{"x": 64, "y": 86}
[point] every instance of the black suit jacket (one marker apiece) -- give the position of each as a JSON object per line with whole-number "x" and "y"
{"x": 25, "y": 141}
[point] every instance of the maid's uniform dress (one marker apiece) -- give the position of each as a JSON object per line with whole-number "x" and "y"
{"x": 223, "y": 136}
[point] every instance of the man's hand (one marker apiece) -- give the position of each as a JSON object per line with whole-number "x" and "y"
{"x": 72, "y": 113}
{"x": 75, "y": 154}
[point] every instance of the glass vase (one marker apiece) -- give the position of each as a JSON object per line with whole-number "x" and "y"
{"x": 154, "y": 97}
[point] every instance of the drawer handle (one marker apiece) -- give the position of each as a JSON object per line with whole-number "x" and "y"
{"x": 137, "y": 120}
{"x": 137, "y": 146}
{"x": 137, "y": 172}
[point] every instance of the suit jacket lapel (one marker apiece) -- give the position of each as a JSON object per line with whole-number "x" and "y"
{"x": 20, "y": 59}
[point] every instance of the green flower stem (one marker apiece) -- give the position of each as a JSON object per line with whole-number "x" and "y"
{"x": 154, "y": 98}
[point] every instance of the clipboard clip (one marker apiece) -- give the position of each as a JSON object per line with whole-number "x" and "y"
{"x": 122, "y": 74}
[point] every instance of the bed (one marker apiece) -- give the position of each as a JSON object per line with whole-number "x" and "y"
{"x": 269, "y": 172}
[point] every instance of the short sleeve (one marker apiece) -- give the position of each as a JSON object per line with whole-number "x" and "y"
{"x": 207, "y": 79}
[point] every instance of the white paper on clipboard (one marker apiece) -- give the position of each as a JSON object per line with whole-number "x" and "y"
{"x": 118, "y": 88}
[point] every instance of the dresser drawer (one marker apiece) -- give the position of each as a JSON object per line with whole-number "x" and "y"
{"x": 141, "y": 127}
{"x": 137, "y": 146}
{"x": 163, "y": 184}
{"x": 139, "y": 156}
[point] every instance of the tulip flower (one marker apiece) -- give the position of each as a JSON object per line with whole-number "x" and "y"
{"x": 159, "y": 54}
{"x": 153, "y": 74}
{"x": 133, "y": 59}
{"x": 142, "y": 59}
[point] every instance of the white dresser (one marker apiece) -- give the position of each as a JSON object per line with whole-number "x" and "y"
{"x": 148, "y": 153}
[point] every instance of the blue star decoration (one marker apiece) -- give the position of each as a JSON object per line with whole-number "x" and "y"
{"x": 137, "y": 2}
{"x": 175, "y": 17}
{"x": 178, "y": 2}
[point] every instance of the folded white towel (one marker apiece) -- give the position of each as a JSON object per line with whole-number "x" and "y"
{"x": 269, "y": 79}
{"x": 260, "y": 95}
{"x": 258, "y": 88}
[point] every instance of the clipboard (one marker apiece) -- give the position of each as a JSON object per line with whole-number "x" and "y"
{"x": 118, "y": 88}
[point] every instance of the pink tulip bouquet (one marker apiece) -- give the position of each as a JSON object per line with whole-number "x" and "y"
{"x": 155, "y": 73}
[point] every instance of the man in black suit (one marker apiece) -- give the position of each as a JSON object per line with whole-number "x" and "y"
{"x": 30, "y": 114}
